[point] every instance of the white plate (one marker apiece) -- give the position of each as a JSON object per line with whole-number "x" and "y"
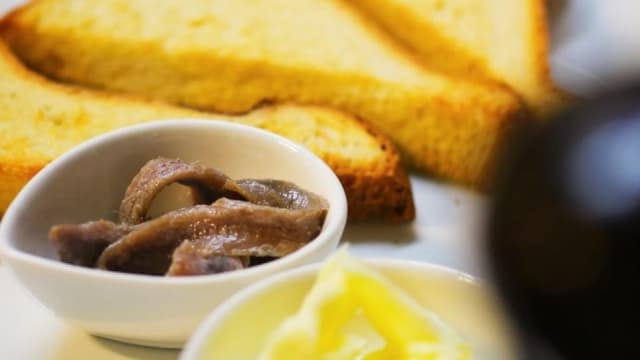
{"x": 448, "y": 225}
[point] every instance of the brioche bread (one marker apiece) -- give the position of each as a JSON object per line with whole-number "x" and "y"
{"x": 504, "y": 40}
{"x": 232, "y": 55}
{"x": 40, "y": 119}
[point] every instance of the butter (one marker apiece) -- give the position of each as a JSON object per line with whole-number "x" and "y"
{"x": 354, "y": 313}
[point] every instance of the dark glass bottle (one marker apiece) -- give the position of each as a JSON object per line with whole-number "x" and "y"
{"x": 564, "y": 231}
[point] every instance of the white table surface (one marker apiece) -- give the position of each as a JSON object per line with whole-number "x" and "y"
{"x": 591, "y": 41}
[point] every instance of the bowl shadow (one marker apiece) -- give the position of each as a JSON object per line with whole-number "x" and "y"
{"x": 74, "y": 341}
{"x": 372, "y": 232}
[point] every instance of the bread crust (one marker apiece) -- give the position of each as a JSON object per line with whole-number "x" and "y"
{"x": 386, "y": 187}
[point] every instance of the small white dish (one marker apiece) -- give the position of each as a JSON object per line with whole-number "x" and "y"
{"x": 88, "y": 182}
{"x": 238, "y": 329}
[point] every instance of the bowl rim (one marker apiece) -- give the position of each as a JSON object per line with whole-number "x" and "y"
{"x": 338, "y": 207}
{"x": 218, "y": 315}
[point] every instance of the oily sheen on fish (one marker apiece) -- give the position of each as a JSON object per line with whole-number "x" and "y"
{"x": 279, "y": 193}
{"x": 206, "y": 183}
{"x": 249, "y": 222}
{"x": 227, "y": 227}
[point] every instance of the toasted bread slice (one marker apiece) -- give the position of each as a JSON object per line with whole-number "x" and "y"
{"x": 40, "y": 120}
{"x": 231, "y": 55}
{"x": 505, "y": 40}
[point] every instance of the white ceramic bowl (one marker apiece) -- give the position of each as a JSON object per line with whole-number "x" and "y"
{"x": 88, "y": 182}
{"x": 237, "y": 329}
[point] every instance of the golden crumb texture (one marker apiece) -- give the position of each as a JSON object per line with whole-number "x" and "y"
{"x": 40, "y": 119}
{"x": 501, "y": 40}
{"x": 232, "y": 56}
